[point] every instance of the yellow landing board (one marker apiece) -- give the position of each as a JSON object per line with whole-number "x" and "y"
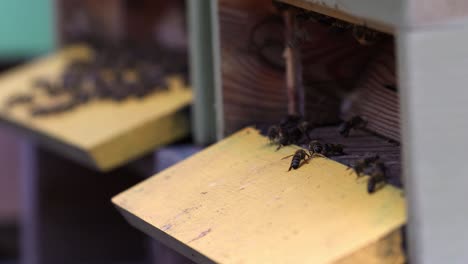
{"x": 102, "y": 134}
{"x": 235, "y": 202}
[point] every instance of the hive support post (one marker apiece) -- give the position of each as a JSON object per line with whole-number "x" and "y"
{"x": 433, "y": 65}
{"x": 202, "y": 77}
{"x": 67, "y": 215}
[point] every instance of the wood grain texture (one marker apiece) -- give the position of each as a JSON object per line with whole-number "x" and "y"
{"x": 102, "y": 134}
{"x": 235, "y": 202}
{"x": 371, "y": 99}
{"x": 254, "y": 85}
{"x": 251, "y": 90}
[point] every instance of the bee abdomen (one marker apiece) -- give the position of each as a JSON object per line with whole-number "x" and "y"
{"x": 371, "y": 185}
{"x": 295, "y": 162}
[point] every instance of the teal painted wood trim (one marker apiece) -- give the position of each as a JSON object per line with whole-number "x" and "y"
{"x": 201, "y": 68}
{"x": 27, "y": 28}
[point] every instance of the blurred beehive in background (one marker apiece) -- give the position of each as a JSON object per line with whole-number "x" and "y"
{"x": 44, "y": 26}
{"x": 26, "y": 30}
{"x": 117, "y": 20}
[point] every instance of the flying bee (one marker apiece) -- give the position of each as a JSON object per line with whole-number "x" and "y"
{"x": 364, "y": 35}
{"x": 361, "y": 165}
{"x": 298, "y": 156}
{"x": 333, "y": 149}
{"x": 316, "y": 148}
{"x": 378, "y": 178}
{"x": 354, "y": 123}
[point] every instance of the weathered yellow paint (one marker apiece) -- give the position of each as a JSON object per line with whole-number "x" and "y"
{"x": 235, "y": 202}
{"x": 104, "y": 134}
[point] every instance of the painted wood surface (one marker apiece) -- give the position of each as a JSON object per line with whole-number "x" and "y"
{"x": 432, "y": 65}
{"x": 102, "y": 134}
{"x": 235, "y": 202}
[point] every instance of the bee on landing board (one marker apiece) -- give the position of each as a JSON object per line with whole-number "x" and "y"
{"x": 378, "y": 178}
{"x": 288, "y": 136}
{"x": 290, "y": 130}
{"x": 273, "y": 133}
{"x": 361, "y": 165}
{"x": 298, "y": 156}
{"x": 353, "y": 123}
{"x": 316, "y": 148}
{"x": 18, "y": 99}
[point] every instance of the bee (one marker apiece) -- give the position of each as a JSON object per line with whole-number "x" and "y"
{"x": 361, "y": 165}
{"x": 298, "y": 156}
{"x": 355, "y": 122}
{"x": 305, "y": 128}
{"x": 57, "y": 105}
{"x": 273, "y": 133}
{"x": 289, "y": 131}
{"x": 18, "y": 99}
{"x": 333, "y": 149}
{"x": 47, "y": 86}
{"x": 304, "y": 15}
{"x": 287, "y": 136}
{"x": 339, "y": 26}
{"x": 364, "y": 35}
{"x": 378, "y": 178}
{"x": 316, "y": 148}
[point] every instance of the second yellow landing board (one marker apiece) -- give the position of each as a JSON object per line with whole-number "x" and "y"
{"x": 235, "y": 202}
{"x": 102, "y": 134}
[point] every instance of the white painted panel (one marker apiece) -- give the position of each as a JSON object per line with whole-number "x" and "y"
{"x": 433, "y": 71}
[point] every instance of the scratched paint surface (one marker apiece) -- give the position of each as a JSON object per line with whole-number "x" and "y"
{"x": 235, "y": 202}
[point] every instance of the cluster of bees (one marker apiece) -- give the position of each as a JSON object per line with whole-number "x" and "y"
{"x": 293, "y": 129}
{"x": 115, "y": 74}
{"x": 362, "y": 34}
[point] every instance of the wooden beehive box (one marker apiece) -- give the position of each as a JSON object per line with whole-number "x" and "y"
{"x": 235, "y": 201}
{"x": 100, "y": 134}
